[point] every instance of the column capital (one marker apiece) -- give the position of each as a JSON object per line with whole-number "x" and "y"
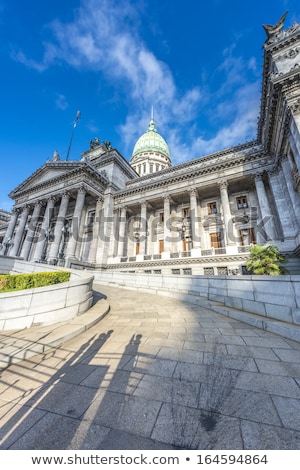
{"x": 82, "y": 189}
{"x": 193, "y": 191}
{"x": 258, "y": 176}
{"x": 223, "y": 184}
{"x": 26, "y": 208}
{"x": 17, "y": 210}
{"x": 273, "y": 172}
{"x": 40, "y": 203}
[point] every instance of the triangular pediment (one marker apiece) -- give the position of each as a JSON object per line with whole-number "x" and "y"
{"x": 50, "y": 172}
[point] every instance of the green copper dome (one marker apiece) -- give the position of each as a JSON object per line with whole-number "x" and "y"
{"x": 151, "y": 141}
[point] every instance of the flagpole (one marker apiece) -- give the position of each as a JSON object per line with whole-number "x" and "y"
{"x": 77, "y": 119}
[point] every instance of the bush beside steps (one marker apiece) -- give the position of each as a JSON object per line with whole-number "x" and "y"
{"x": 12, "y": 282}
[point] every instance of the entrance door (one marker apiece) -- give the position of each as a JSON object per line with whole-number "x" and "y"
{"x": 161, "y": 246}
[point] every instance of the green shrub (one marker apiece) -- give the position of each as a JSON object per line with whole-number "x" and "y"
{"x": 3, "y": 281}
{"x": 265, "y": 260}
{"x": 10, "y": 282}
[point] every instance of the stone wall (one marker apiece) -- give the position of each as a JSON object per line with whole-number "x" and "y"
{"x": 43, "y": 305}
{"x": 271, "y": 303}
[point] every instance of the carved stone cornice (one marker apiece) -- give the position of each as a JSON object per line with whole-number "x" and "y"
{"x": 81, "y": 173}
{"x": 178, "y": 261}
{"x": 189, "y": 170}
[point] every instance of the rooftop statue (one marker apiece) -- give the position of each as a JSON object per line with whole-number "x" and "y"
{"x": 271, "y": 30}
{"x": 95, "y": 143}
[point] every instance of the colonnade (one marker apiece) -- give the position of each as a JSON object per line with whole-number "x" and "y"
{"x": 27, "y": 228}
{"x": 43, "y": 223}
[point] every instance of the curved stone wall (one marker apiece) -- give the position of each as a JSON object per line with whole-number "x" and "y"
{"x": 43, "y": 305}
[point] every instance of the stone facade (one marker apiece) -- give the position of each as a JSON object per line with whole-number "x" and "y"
{"x": 198, "y": 217}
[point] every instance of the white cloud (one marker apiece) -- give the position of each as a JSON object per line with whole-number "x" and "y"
{"x": 104, "y": 37}
{"x": 61, "y": 102}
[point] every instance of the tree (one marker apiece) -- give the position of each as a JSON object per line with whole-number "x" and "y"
{"x": 265, "y": 259}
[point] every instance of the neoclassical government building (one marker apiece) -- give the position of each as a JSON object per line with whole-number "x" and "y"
{"x": 146, "y": 215}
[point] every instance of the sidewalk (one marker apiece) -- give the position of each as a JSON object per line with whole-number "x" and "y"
{"x": 155, "y": 373}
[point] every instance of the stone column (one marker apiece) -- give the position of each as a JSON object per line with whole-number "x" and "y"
{"x": 106, "y": 225}
{"x": 167, "y": 224}
{"x": 228, "y": 225}
{"x": 143, "y": 228}
{"x": 284, "y": 214}
{"x": 294, "y": 196}
{"x": 96, "y": 225}
{"x": 74, "y": 235}
{"x": 267, "y": 222}
{"x": 31, "y": 230}
{"x": 9, "y": 232}
{"x": 194, "y": 219}
{"x": 122, "y": 228}
{"x": 44, "y": 233}
{"x": 19, "y": 233}
{"x": 53, "y": 253}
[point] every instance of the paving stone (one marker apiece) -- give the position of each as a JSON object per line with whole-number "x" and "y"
{"x": 169, "y": 390}
{"x": 192, "y": 429}
{"x": 254, "y": 406}
{"x": 62, "y": 398}
{"x": 251, "y": 351}
{"x": 289, "y": 411}
{"x": 155, "y": 372}
{"x": 289, "y": 369}
{"x": 127, "y": 413}
{"x": 15, "y": 421}
{"x": 264, "y": 437}
{"x": 60, "y": 432}
{"x": 282, "y": 386}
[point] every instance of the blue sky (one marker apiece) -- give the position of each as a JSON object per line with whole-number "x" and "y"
{"x": 198, "y": 63}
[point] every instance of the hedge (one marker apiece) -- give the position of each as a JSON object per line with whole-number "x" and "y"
{"x": 10, "y": 282}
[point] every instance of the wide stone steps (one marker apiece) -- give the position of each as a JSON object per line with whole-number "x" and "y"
{"x": 281, "y": 328}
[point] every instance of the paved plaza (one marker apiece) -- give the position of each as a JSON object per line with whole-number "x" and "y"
{"x": 155, "y": 373}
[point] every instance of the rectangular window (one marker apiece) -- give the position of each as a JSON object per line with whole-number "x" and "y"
{"x": 175, "y": 271}
{"x": 161, "y": 246}
{"x": 91, "y": 218}
{"x": 242, "y": 202}
{"x": 137, "y": 248}
{"x": 187, "y": 271}
{"x": 215, "y": 240}
{"x": 161, "y": 217}
{"x": 185, "y": 212}
{"x": 212, "y": 208}
{"x": 247, "y": 236}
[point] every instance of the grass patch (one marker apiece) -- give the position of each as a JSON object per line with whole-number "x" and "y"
{"x": 13, "y": 282}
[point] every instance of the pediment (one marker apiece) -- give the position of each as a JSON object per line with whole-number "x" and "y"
{"x": 46, "y": 174}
